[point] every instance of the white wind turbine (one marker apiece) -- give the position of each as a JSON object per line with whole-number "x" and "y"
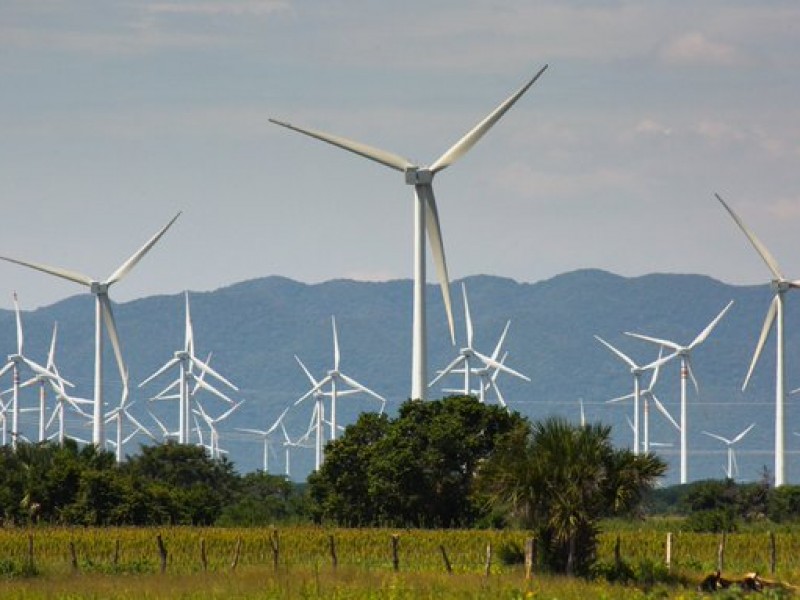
{"x": 426, "y": 217}
{"x": 468, "y": 355}
{"x": 334, "y": 378}
{"x": 637, "y": 371}
{"x": 103, "y": 314}
{"x": 684, "y": 352}
{"x": 17, "y": 362}
{"x": 265, "y": 434}
{"x": 186, "y": 360}
{"x": 780, "y": 285}
{"x": 733, "y": 468}
{"x": 212, "y": 423}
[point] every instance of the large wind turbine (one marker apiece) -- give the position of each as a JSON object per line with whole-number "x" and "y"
{"x": 637, "y": 371}
{"x": 186, "y": 360}
{"x": 733, "y": 468}
{"x": 686, "y": 371}
{"x": 265, "y": 434}
{"x": 103, "y": 314}
{"x": 426, "y": 217}
{"x": 780, "y": 285}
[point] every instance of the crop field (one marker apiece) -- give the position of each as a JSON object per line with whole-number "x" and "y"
{"x": 315, "y": 562}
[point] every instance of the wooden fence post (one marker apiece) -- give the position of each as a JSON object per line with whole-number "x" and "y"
{"x": 617, "y": 554}
{"x": 162, "y": 553}
{"x": 530, "y": 557}
{"x": 773, "y": 553}
{"x": 332, "y": 548}
{"x": 721, "y": 552}
{"x": 203, "y": 555}
{"x": 395, "y": 554}
{"x": 31, "y": 564}
{"x": 488, "y": 566}
{"x": 73, "y": 557}
{"x": 276, "y": 548}
{"x": 116, "y": 553}
{"x": 448, "y": 567}
{"x": 236, "y": 554}
{"x": 668, "y": 558}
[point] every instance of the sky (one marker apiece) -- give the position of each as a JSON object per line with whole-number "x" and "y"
{"x": 117, "y": 115}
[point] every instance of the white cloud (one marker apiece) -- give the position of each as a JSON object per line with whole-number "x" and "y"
{"x": 651, "y": 127}
{"x": 696, "y": 49}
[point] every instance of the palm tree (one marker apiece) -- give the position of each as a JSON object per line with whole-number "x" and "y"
{"x": 559, "y": 479}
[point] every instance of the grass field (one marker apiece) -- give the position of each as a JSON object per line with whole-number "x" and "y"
{"x": 203, "y": 563}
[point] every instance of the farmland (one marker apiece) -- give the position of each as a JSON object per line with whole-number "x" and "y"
{"x": 358, "y": 563}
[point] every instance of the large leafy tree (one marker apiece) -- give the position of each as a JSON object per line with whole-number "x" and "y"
{"x": 559, "y": 479}
{"x": 414, "y": 470}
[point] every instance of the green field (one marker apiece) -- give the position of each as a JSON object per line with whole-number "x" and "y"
{"x": 126, "y": 563}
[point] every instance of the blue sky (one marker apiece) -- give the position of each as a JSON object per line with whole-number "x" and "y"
{"x": 115, "y": 115}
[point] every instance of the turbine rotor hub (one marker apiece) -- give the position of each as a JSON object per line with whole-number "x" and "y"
{"x": 780, "y": 285}
{"x": 417, "y": 176}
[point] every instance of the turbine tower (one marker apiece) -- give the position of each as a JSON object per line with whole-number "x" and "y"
{"x": 733, "y": 467}
{"x": 686, "y": 371}
{"x": 103, "y": 314}
{"x": 780, "y": 285}
{"x": 426, "y": 218}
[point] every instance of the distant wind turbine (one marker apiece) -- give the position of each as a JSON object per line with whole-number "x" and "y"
{"x": 780, "y": 285}
{"x": 426, "y": 217}
{"x": 733, "y": 468}
{"x": 103, "y": 313}
{"x": 684, "y": 352}
{"x": 265, "y": 434}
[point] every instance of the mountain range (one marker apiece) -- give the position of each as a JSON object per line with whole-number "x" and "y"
{"x": 253, "y": 330}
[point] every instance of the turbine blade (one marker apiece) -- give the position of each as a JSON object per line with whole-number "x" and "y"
{"x": 770, "y": 261}
{"x": 188, "y": 336}
{"x": 205, "y": 368}
{"x": 453, "y": 364}
{"x": 126, "y": 267}
{"x": 211, "y": 389}
{"x": 164, "y": 368}
{"x": 467, "y": 315}
{"x": 717, "y": 437}
{"x": 306, "y": 371}
{"x": 20, "y": 336}
{"x": 313, "y": 390}
{"x": 383, "y": 157}
{"x": 691, "y": 374}
{"x": 620, "y": 398}
{"x": 336, "y": 354}
{"x": 463, "y": 145}
{"x": 63, "y": 273}
{"x": 744, "y": 433}
{"x": 490, "y": 362}
{"x": 704, "y": 334}
{"x": 654, "y": 340}
{"x": 770, "y": 318}
{"x": 665, "y": 412}
{"x": 437, "y": 250}
{"x": 362, "y": 388}
{"x": 51, "y": 354}
{"x": 111, "y": 328}
{"x": 624, "y": 357}
{"x": 499, "y": 345}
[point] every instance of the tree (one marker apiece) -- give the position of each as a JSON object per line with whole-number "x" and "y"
{"x": 414, "y": 470}
{"x": 559, "y": 479}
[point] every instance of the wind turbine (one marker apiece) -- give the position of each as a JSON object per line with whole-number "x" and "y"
{"x": 468, "y": 354}
{"x": 733, "y": 468}
{"x": 684, "y": 352}
{"x": 212, "y": 426}
{"x": 335, "y": 378}
{"x": 426, "y": 217}
{"x": 637, "y": 371}
{"x": 186, "y": 360}
{"x": 103, "y": 314}
{"x": 16, "y": 362}
{"x": 265, "y": 434}
{"x": 780, "y": 285}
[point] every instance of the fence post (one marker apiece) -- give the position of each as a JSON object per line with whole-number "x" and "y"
{"x": 530, "y": 557}
{"x": 773, "y": 553}
{"x": 395, "y": 555}
{"x": 721, "y": 552}
{"x": 332, "y": 548}
{"x": 73, "y": 557}
{"x": 617, "y": 554}
{"x": 162, "y": 553}
{"x": 116, "y": 552}
{"x": 236, "y": 554}
{"x": 448, "y": 567}
{"x": 668, "y": 558}
{"x": 203, "y": 555}
{"x": 276, "y": 548}
{"x": 488, "y": 568}
{"x": 30, "y": 552}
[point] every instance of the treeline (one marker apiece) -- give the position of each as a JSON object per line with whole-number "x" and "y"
{"x": 722, "y": 505}
{"x": 169, "y": 484}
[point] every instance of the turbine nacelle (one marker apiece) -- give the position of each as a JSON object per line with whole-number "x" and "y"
{"x": 417, "y": 176}
{"x": 97, "y": 288}
{"x": 781, "y": 285}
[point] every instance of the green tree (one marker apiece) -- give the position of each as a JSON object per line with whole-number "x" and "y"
{"x": 414, "y": 470}
{"x": 559, "y": 479}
